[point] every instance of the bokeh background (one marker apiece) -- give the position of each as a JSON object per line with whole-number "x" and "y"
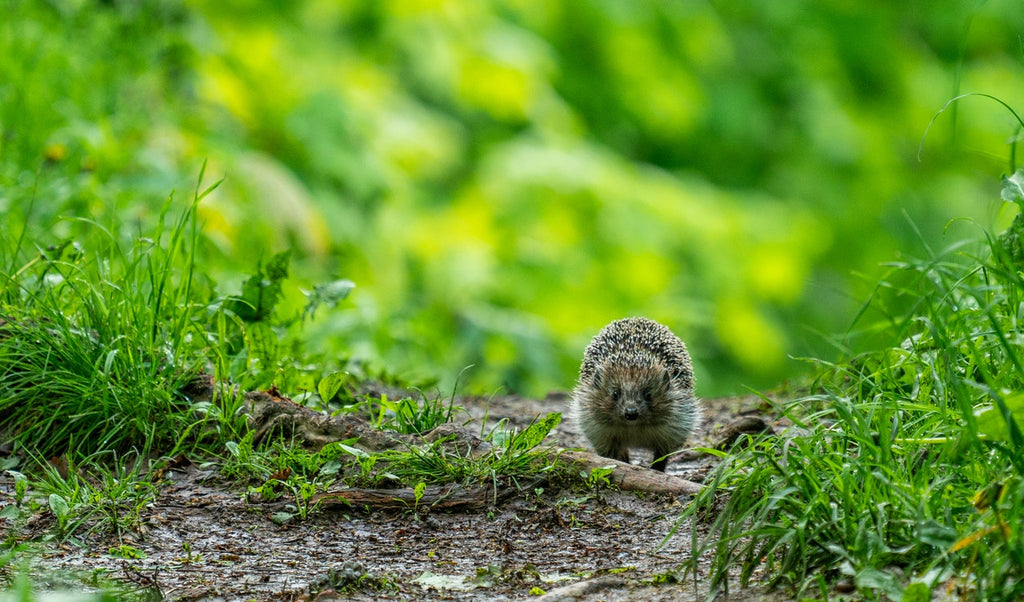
{"x": 501, "y": 178}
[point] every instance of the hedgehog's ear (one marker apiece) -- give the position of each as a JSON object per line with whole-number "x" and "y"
{"x": 597, "y": 377}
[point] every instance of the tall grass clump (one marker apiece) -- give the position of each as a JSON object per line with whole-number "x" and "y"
{"x": 901, "y": 475}
{"x": 99, "y": 336}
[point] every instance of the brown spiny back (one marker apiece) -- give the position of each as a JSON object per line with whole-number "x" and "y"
{"x": 638, "y": 342}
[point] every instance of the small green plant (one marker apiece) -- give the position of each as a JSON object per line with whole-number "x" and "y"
{"x": 243, "y": 461}
{"x": 417, "y": 493}
{"x": 191, "y": 556}
{"x": 127, "y": 552}
{"x": 261, "y": 292}
{"x": 598, "y": 477}
{"x": 20, "y": 486}
{"x": 303, "y": 492}
{"x": 516, "y": 451}
{"x": 62, "y": 511}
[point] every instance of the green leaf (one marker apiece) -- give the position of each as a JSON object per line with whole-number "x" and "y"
{"x": 917, "y": 592}
{"x": 443, "y": 582}
{"x": 282, "y": 518}
{"x": 355, "y": 451}
{"x": 1013, "y": 188}
{"x": 330, "y": 468}
{"x": 935, "y": 534}
{"x": 329, "y": 294}
{"x": 993, "y": 424}
{"x": 59, "y": 506}
{"x": 108, "y": 364}
{"x": 537, "y": 431}
{"x": 330, "y": 384}
{"x": 874, "y": 579}
{"x": 277, "y": 267}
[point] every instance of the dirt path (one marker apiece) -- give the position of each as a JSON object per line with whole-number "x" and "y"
{"x": 203, "y": 542}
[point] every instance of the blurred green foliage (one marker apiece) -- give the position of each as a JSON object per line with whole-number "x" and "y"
{"x": 501, "y": 178}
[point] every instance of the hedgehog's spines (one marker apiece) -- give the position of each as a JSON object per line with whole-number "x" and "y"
{"x": 635, "y": 342}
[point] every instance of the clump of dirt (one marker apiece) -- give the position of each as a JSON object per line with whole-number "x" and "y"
{"x": 202, "y": 540}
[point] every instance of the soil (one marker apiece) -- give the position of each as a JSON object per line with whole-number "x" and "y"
{"x": 202, "y": 540}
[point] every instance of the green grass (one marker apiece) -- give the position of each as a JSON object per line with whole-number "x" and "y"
{"x": 100, "y": 337}
{"x": 513, "y": 455}
{"x": 405, "y": 415}
{"x": 903, "y": 471}
{"x": 280, "y": 469}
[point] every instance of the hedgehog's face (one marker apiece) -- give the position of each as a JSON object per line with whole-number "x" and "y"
{"x": 632, "y": 394}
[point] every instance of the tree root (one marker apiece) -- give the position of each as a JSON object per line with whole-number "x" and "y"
{"x": 630, "y": 477}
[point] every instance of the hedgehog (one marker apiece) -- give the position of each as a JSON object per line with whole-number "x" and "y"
{"x": 636, "y": 390}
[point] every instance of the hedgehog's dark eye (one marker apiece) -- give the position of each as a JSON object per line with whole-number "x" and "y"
{"x": 616, "y": 394}
{"x": 648, "y": 396}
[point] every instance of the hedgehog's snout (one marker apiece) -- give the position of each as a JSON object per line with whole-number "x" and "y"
{"x": 631, "y": 413}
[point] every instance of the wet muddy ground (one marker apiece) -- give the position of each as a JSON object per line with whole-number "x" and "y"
{"x": 202, "y": 540}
